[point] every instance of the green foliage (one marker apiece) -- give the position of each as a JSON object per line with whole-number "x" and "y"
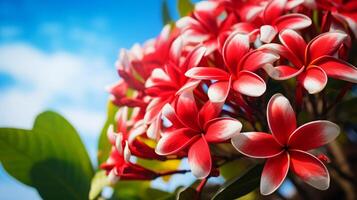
{"x": 99, "y": 181}
{"x": 186, "y": 194}
{"x": 103, "y": 143}
{"x": 50, "y": 157}
{"x": 241, "y": 185}
{"x": 166, "y": 18}
{"x": 184, "y": 7}
{"x": 131, "y": 190}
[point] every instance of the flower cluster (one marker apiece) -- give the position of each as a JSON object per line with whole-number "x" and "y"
{"x": 206, "y": 79}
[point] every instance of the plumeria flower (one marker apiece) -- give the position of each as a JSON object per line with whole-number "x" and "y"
{"x": 127, "y": 136}
{"x": 240, "y": 63}
{"x": 204, "y": 25}
{"x": 313, "y": 62}
{"x": 118, "y": 166}
{"x": 287, "y": 147}
{"x": 342, "y": 11}
{"x": 193, "y": 130}
{"x": 164, "y": 84}
{"x": 274, "y": 20}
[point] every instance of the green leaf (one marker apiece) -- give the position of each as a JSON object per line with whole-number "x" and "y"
{"x": 166, "y": 18}
{"x": 103, "y": 143}
{"x": 186, "y": 194}
{"x": 240, "y": 185}
{"x": 131, "y": 190}
{"x": 185, "y": 7}
{"x": 50, "y": 157}
{"x": 99, "y": 181}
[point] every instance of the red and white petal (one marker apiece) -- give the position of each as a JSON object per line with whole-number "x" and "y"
{"x": 186, "y": 109}
{"x": 256, "y": 59}
{"x": 250, "y": 84}
{"x": 309, "y": 169}
{"x": 337, "y": 68}
{"x": 218, "y": 91}
{"x": 283, "y": 51}
{"x": 314, "y": 79}
{"x": 207, "y": 73}
{"x": 176, "y": 49}
{"x": 294, "y": 43}
{"x": 222, "y": 129}
{"x": 325, "y": 44}
{"x": 195, "y": 57}
{"x": 235, "y": 47}
{"x": 199, "y": 158}
{"x": 274, "y": 172}
{"x": 175, "y": 141}
{"x": 293, "y": 3}
{"x": 169, "y": 113}
{"x": 273, "y": 10}
{"x": 189, "y": 86}
{"x": 281, "y": 72}
{"x": 153, "y": 131}
{"x": 256, "y": 144}
{"x": 153, "y": 109}
{"x": 281, "y": 118}
{"x": 267, "y": 33}
{"x": 313, "y": 135}
{"x": 209, "y": 111}
{"x": 158, "y": 77}
{"x": 293, "y": 21}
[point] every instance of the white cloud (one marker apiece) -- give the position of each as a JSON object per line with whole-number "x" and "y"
{"x": 43, "y": 80}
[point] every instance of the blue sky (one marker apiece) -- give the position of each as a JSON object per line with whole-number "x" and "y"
{"x": 60, "y": 55}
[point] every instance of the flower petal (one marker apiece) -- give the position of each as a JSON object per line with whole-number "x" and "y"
{"x": 313, "y": 135}
{"x": 274, "y": 173}
{"x": 314, "y": 79}
{"x": 281, "y": 72}
{"x": 175, "y": 141}
{"x": 207, "y": 73}
{"x": 325, "y": 44}
{"x": 281, "y": 118}
{"x": 273, "y": 10}
{"x": 218, "y": 91}
{"x": 222, "y": 129}
{"x": 294, "y": 43}
{"x": 199, "y": 158}
{"x": 235, "y": 47}
{"x": 256, "y": 59}
{"x": 267, "y": 33}
{"x": 293, "y": 21}
{"x": 186, "y": 109}
{"x": 250, "y": 84}
{"x": 209, "y": 111}
{"x": 256, "y": 144}
{"x": 337, "y": 68}
{"x": 309, "y": 169}
{"x": 195, "y": 57}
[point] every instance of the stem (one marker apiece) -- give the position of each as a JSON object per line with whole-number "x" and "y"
{"x": 200, "y": 187}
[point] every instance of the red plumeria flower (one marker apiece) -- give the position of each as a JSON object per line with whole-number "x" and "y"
{"x": 193, "y": 129}
{"x": 274, "y": 20}
{"x": 313, "y": 62}
{"x": 126, "y": 135}
{"x": 286, "y": 148}
{"x": 164, "y": 84}
{"x": 240, "y": 61}
{"x": 343, "y": 11}
{"x": 118, "y": 166}
{"x": 204, "y": 25}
